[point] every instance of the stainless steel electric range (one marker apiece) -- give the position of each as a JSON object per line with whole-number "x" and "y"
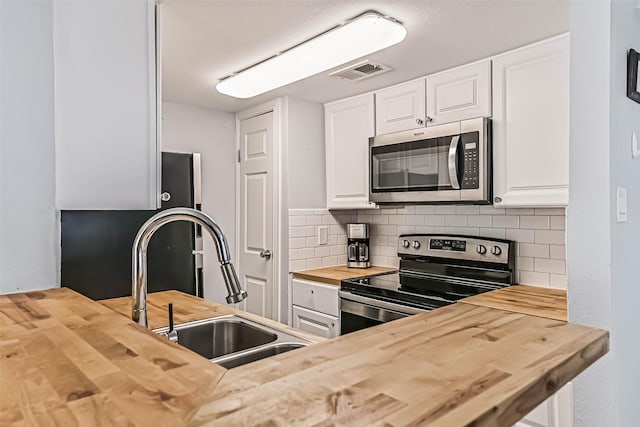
{"x": 435, "y": 270}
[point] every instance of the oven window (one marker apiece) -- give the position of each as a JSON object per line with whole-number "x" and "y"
{"x": 350, "y": 323}
{"x": 411, "y": 166}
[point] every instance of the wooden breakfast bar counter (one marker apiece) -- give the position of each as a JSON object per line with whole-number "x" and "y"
{"x": 65, "y": 359}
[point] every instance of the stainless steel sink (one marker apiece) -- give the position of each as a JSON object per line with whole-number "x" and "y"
{"x": 234, "y": 340}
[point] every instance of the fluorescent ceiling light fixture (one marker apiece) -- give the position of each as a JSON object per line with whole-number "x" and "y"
{"x": 365, "y": 34}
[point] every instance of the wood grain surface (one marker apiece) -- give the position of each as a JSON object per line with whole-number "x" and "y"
{"x": 533, "y": 300}
{"x": 334, "y": 275}
{"x": 69, "y": 361}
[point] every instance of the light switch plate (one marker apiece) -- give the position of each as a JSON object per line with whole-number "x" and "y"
{"x": 621, "y": 204}
{"x": 635, "y": 150}
{"x": 323, "y": 235}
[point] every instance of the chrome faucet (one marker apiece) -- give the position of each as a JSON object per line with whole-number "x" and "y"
{"x": 139, "y": 282}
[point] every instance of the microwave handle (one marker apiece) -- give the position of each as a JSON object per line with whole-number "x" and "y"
{"x": 453, "y": 162}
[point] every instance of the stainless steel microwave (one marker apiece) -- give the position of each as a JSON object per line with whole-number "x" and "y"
{"x": 449, "y": 163}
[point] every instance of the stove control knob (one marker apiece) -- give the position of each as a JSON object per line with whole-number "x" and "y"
{"x": 405, "y": 243}
{"x": 496, "y": 250}
{"x": 416, "y": 244}
{"x": 481, "y": 249}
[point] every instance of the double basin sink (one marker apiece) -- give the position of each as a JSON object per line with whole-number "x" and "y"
{"x": 232, "y": 340}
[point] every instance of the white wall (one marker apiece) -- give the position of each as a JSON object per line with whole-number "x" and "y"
{"x": 625, "y": 237}
{"x": 306, "y": 157}
{"x": 29, "y": 226}
{"x": 602, "y": 255}
{"x": 191, "y": 129}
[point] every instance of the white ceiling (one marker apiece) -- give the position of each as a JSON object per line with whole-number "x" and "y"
{"x": 205, "y": 40}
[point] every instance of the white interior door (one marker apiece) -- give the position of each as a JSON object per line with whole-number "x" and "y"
{"x": 256, "y": 214}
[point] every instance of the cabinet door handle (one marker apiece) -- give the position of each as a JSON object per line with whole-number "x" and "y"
{"x": 497, "y": 199}
{"x": 428, "y": 119}
{"x": 420, "y": 122}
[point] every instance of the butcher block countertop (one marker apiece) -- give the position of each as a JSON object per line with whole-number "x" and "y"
{"x": 334, "y": 275}
{"x": 72, "y": 361}
{"x": 533, "y": 300}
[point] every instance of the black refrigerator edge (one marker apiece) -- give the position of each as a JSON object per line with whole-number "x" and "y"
{"x": 96, "y": 246}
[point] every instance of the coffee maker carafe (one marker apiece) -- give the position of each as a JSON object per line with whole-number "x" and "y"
{"x": 358, "y": 246}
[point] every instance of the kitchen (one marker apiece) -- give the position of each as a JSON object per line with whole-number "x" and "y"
{"x": 584, "y": 261}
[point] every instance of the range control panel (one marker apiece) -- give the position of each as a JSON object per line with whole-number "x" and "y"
{"x": 456, "y": 247}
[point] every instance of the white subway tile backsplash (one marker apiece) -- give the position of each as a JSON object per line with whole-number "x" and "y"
{"x": 314, "y": 263}
{"x": 506, "y": 221}
{"x": 314, "y": 220}
{"x": 490, "y": 210}
{"x": 534, "y": 222}
{"x": 479, "y": 220}
{"x": 295, "y": 221}
{"x": 467, "y": 210}
{"x": 524, "y": 263}
{"x": 456, "y": 220}
{"x": 521, "y": 236}
{"x": 556, "y": 266}
{"x": 415, "y": 219}
{"x": 533, "y": 278}
{"x": 557, "y": 251}
{"x": 425, "y": 210}
{"x": 539, "y": 233}
{"x": 557, "y": 222}
{"x": 550, "y": 211}
{"x": 437, "y": 220}
{"x": 558, "y": 281}
{"x": 397, "y": 219}
{"x": 533, "y": 250}
{"x": 496, "y": 233}
{"x": 553, "y": 237}
{"x": 444, "y": 210}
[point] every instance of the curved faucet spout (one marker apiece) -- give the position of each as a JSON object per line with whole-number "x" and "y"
{"x": 141, "y": 242}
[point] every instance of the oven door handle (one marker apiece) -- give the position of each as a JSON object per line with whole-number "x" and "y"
{"x": 403, "y": 309}
{"x": 453, "y": 162}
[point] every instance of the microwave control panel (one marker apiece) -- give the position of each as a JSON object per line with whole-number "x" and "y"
{"x": 471, "y": 160}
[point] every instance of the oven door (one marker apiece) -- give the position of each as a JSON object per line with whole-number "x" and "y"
{"x": 359, "y": 312}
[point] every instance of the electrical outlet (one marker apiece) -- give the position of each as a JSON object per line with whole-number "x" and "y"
{"x": 323, "y": 235}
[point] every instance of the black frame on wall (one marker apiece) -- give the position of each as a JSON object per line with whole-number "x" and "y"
{"x": 633, "y": 89}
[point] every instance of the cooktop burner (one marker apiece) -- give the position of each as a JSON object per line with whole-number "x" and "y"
{"x": 438, "y": 270}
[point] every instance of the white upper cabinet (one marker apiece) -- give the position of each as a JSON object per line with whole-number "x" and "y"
{"x": 348, "y": 127}
{"x": 400, "y": 107}
{"x": 531, "y": 125}
{"x": 106, "y": 105}
{"x": 459, "y": 94}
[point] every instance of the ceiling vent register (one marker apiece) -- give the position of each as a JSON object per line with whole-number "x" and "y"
{"x": 361, "y": 70}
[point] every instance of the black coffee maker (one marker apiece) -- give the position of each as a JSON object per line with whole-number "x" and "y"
{"x": 358, "y": 246}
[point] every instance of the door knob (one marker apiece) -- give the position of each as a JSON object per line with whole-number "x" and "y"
{"x": 265, "y": 253}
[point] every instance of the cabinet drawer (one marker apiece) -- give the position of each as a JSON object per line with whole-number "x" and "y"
{"x": 315, "y": 322}
{"x": 316, "y": 296}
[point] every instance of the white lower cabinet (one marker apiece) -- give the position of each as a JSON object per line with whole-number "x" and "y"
{"x": 315, "y": 308}
{"x": 556, "y": 411}
{"x": 531, "y": 125}
{"x": 315, "y": 322}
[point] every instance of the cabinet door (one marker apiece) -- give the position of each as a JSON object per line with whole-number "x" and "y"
{"x": 400, "y": 107}
{"x": 459, "y": 94}
{"x": 315, "y": 322}
{"x": 107, "y": 152}
{"x": 348, "y": 127}
{"x": 531, "y": 125}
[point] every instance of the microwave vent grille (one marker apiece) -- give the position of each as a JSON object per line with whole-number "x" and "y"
{"x": 361, "y": 70}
